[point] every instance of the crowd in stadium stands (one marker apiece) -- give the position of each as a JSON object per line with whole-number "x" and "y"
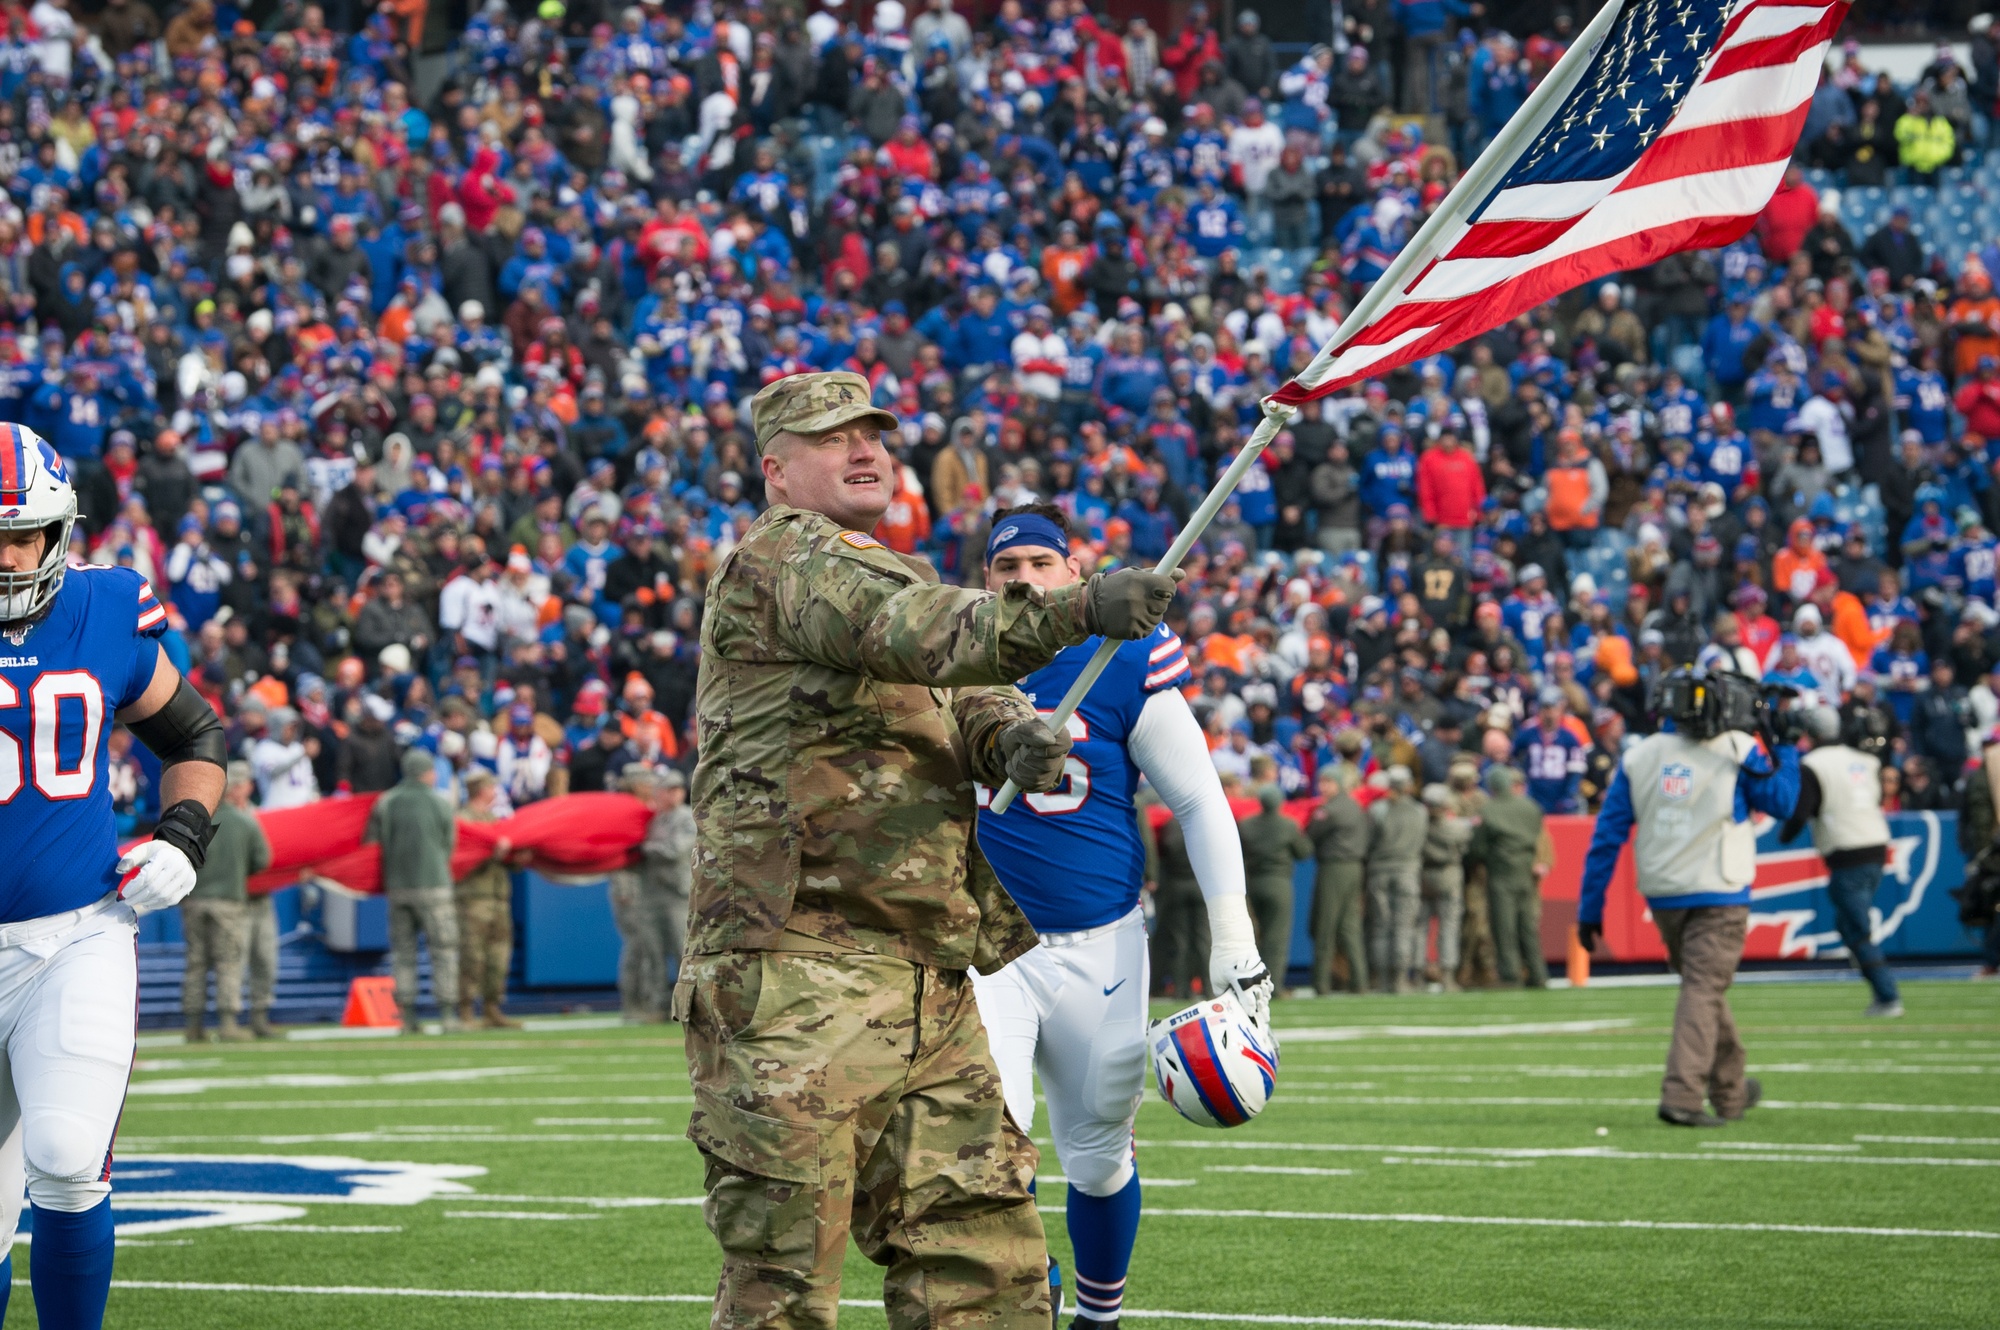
{"x": 428, "y": 413}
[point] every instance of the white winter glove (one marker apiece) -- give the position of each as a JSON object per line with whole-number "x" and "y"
{"x": 165, "y": 877}
{"x": 1234, "y": 965}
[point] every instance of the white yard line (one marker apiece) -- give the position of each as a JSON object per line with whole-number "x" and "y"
{"x": 1281, "y": 1169}
{"x": 317, "y": 1228}
{"x": 1581, "y": 1101}
{"x": 1773, "y": 1154}
{"x": 1520, "y": 1221}
{"x": 1461, "y": 1163}
{"x": 705, "y": 1299}
{"x": 546, "y": 1217}
{"x": 485, "y": 1101}
{"x": 1930, "y": 1140}
{"x": 1341, "y": 1034}
{"x": 595, "y": 1202}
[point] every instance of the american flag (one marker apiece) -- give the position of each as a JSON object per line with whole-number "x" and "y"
{"x": 1667, "y": 128}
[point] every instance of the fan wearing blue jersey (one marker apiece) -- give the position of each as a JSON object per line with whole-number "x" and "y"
{"x": 81, "y": 653}
{"x": 1073, "y": 1010}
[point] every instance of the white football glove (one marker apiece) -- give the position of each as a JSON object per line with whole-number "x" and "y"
{"x": 1234, "y": 965}
{"x": 165, "y": 877}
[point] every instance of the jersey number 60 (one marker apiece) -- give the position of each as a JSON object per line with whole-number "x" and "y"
{"x": 46, "y": 696}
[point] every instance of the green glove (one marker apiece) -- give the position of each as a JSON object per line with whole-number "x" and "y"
{"x": 1033, "y": 755}
{"x": 1129, "y": 604}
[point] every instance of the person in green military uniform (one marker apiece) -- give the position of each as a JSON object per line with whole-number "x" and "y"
{"x": 417, "y": 834}
{"x": 1509, "y": 841}
{"x": 1445, "y": 844}
{"x": 845, "y": 707}
{"x": 1272, "y": 846}
{"x": 215, "y": 916}
{"x": 1180, "y": 941}
{"x": 1338, "y": 830}
{"x": 649, "y": 901}
{"x": 485, "y": 901}
{"x": 1397, "y": 827}
{"x": 1476, "y": 966}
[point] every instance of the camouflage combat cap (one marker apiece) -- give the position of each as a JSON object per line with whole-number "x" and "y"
{"x": 813, "y": 404}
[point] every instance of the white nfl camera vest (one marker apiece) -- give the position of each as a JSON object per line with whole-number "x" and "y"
{"x": 1850, "y": 800}
{"x": 1687, "y": 840}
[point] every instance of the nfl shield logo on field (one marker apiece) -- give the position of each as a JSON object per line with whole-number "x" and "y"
{"x": 1676, "y": 780}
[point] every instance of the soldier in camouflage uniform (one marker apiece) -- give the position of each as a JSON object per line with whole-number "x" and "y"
{"x": 649, "y": 901}
{"x": 1445, "y": 844}
{"x": 1476, "y": 967}
{"x": 1513, "y": 844}
{"x": 485, "y": 900}
{"x": 1339, "y": 833}
{"x": 215, "y": 917}
{"x": 846, "y": 704}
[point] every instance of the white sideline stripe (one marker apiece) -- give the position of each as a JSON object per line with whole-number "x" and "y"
{"x": 1521, "y": 1221}
{"x": 1779, "y": 1147}
{"x": 515, "y": 1214}
{"x": 1340, "y": 1034}
{"x": 1461, "y": 1163}
{"x": 535, "y": 1295}
{"x": 1058, "y": 1180}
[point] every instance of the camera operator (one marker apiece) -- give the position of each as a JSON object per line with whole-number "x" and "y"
{"x": 1690, "y": 790}
{"x": 1840, "y": 794}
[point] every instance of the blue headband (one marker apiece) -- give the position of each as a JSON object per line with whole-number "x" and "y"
{"x": 1026, "y": 529}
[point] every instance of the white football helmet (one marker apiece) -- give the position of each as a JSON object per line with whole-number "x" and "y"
{"x": 35, "y": 495}
{"x": 1214, "y": 1063}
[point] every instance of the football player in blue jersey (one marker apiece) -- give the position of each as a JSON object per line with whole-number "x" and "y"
{"x": 1073, "y": 1010}
{"x": 81, "y": 653}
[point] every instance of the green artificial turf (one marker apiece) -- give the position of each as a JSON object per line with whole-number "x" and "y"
{"x": 1414, "y": 1108}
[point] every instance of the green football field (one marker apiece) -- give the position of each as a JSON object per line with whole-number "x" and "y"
{"x": 1484, "y": 1159}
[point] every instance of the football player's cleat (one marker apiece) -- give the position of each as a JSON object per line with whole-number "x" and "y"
{"x": 1214, "y": 1063}
{"x": 35, "y": 495}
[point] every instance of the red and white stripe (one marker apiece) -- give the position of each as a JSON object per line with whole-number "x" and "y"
{"x": 151, "y": 613}
{"x": 1699, "y": 185}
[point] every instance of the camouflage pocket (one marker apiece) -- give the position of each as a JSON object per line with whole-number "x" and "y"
{"x": 725, "y": 992}
{"x": 762, "y": 1182}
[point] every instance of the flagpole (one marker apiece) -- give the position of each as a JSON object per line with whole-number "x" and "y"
{"x": 1467, "y": 194}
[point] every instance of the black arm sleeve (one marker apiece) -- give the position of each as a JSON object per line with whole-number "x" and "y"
{"x": 1807, "y": 808}
{"x": 186, "y": 729}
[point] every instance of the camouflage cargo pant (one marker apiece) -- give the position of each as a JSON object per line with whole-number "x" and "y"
{"x": 652, "y": 926}
{"x": 262, "y": 952}
{"x": 1517, "y": 931}
{"x": 485, "y": 947}
{"x": 1395, "y": 946}
{"x": 431, "y": 912}
{"x": 849, "y": 1092}
{"x": 1476, "y": 969}
{"x": 1336, "y": 925}
{"x": 1444, "y": 901}
{"x": 216, "y": 933}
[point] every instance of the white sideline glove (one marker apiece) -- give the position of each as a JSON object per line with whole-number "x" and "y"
{"x": 1234, "y": 965}
{"x": 165, "y": 876}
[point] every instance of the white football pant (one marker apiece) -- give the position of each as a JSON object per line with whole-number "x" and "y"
{"x": 69, "y": 1002}
{"x": 1073, "y": 1010}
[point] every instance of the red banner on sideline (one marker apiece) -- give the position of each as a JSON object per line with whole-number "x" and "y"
{"x": 579, "y": 835}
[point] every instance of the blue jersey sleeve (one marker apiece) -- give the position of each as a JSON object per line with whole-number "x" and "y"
{"x": 1166, "y": 663}
{"x": 128, "y": 618}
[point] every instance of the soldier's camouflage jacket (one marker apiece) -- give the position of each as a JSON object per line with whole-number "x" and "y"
{"x": 846, "y": 704}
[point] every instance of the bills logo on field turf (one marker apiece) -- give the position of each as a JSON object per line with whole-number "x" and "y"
{"x": 168, "y": 1193}
{"x": 1676, "y": 780}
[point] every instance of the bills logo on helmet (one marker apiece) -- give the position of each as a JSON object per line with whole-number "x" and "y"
{"x": 52, "y": 460}
{"x": 1214, "y": 1063}
{"x": 168, "y": 1193}
{"x": 1676, "y": 780}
